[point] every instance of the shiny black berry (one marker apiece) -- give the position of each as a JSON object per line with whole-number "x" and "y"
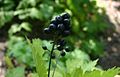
{"x": 65, "y": 16}
{"x": 44, "y": 47}
{"x": 52, "y": 27}
{"x": 47, "y": 30}
{"x": 58, "y": 19}
{"x": 54, "y": 22}
{"x": 66, "y": 22}
{"x": 60, "y": 48}
{"x": 61, "y": 27}
{"x": 62, "y": 53}
{"x": 67, "y": 49}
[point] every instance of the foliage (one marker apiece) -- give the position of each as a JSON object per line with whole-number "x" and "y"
{"x": 17, "y": 46}
{"x": 15, "y": 72}
{"x": 87, "y": 22}
{"x": 95, "y": 73}
{"x": 19, "y": 49}
{"x": 73, "y": 67}
{"x": 37, "y": 53}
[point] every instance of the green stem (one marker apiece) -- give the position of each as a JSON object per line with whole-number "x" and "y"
{"x": 50, "y": 59}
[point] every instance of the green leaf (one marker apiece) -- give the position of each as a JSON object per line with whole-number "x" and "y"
{"x": 47, "y": 13}
{"x": 26, "y": 26}
{"x": 5, "y": 16}
{"x": 72, "y": 64}
{"x": 21, "y": 51}
{"x": 95, "y": 73}
{"x": 36, "y": 13}
{"x": 34, "y": 75}
{"x": 77, "y": 73}
{"x": 90, "y": 66}
{"x": 111, "y": 72}
{"x": 66, "y": 75}
{"x": 37, "y": 53}
{"x": 15, "y": 72}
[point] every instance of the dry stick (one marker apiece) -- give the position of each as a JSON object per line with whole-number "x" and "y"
{"x": 50, "y": 59}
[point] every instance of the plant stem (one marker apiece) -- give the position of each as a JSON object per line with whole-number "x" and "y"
{"x": 50, "y": 59}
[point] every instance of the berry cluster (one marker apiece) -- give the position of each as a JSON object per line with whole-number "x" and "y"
{"x": 59, "y": 27}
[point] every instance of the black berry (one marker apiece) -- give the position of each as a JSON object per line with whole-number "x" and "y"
{"x": 47, "y": 30}
{"x": 52, "y": 27}
{"x": 61, "y": 27}
{"x": 60, "y": 48}
{"x": 65, "y": 16}
{"x": 67, "y": 49}
{"x": 66, "y": 22}
{"x": 62, "y": 53}
{"x": 58, "y": 18}
{"x": 54, "y": 22}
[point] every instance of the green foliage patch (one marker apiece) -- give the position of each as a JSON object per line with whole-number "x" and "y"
{"x": 73, "y": 68}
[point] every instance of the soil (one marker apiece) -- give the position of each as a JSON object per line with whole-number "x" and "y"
{"x": 111, "y": 36}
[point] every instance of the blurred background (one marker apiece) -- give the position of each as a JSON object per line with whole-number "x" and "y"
{"x": 95, "y": 31}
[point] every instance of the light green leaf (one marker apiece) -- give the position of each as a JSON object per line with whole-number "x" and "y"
{"x": 37, "y": 53}
{"x": 66, "y": 75}
{"x": 111, "y": 72}
{"x": 78, "y": 54}
{"x": 90, "y": 66}
{"x": 26, "y": 26}
{"x": 95, "y": 73}
{"x": 36, "y": 13}
{"x": 14, "y": 28}
{"x": 72, "y": 64}
{"x": 34, "y": 75}
{"x": 77, "y": 73}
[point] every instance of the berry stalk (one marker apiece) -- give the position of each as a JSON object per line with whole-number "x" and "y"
{"x": 50, "y": 59}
